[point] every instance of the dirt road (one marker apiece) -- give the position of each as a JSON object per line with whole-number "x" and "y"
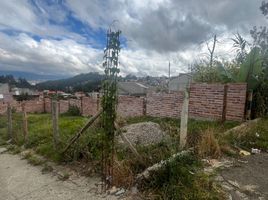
{"x": 247, "y": 178}
{"x": 19, "y": 180}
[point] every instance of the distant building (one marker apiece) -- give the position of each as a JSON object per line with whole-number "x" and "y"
{"x": 21, "y": 91}
{"x": 179, "y": 83}
{"x": 94, "y": 94}
{"x": 5, "y": 95}
{"x": 132, "y": 88}
{"x": 79, "y": 94}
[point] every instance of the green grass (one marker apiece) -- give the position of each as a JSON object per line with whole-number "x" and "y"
{"x": 89, "y": 147}
{"x": 180, "y": 179}
{"x": 172, "y": 125}
{"x": 40, "y": 136}
{"x": 255, "y": 136}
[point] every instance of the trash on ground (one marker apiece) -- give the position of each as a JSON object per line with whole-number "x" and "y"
{"x": 255, "y": 151}
{"x": 244, "y": 153}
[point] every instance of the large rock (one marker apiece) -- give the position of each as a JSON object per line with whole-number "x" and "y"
{"x": 144, "y": 133}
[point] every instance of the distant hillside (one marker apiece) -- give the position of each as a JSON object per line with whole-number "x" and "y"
{"x": 31, "y": 76}
{"x": 82, "y": 82}
{"x": 20, "y": 82}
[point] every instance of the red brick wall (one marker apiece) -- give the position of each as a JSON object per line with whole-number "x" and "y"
{"x": 206, "y": 101}
{"x": 91, "y": 106}
{"x": 3, "y": 108}
{"x": 63, "y": 106}
{"x": 164, "y": 104}
{"x": 236, "y": 99}
{"x": 47, "y": 102}
{"x": 129, "y": 106}
{"x": 34, "y": 106}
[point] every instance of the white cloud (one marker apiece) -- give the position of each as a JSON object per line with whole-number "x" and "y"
{"x": 47, "y": 56}
{"x": 158, "y": 31}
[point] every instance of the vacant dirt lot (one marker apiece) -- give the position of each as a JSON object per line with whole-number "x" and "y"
{"x": 248, "y": 178}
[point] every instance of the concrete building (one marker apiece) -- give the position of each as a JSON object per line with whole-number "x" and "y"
{"x": 5, "y": 95}
{"x": 179, "y": 83}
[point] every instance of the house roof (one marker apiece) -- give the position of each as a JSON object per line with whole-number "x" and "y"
{"x": 131, "y": 88}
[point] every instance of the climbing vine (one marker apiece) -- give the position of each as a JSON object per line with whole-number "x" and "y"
{"x": 109, "y": 102}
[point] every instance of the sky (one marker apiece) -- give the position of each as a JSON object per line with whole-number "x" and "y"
{"x": 67, "y": 37}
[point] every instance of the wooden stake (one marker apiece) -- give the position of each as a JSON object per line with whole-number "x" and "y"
{"x": 55, "y": 123}
{"x": 128, "y": 143}
{"x": 184, "y": 120}
{"x": 9, "y": 119}
{"x": 77, "y": 135}
{"x": 25, "y": 123}
{"x": 224, "y": 108}
{"x": 249, "y": 104}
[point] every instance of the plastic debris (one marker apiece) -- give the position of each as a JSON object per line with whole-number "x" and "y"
{"x": 255, "y": 151}
{"x": 244, "y": 153}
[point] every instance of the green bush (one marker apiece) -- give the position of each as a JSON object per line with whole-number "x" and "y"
{"x": 73, "y": 111}
{"x": 180, "y": 179}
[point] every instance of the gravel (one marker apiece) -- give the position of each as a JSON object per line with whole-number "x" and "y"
{"x": 144, "y": 133}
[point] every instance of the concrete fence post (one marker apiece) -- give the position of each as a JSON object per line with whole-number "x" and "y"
{"x": 184, "y": 120}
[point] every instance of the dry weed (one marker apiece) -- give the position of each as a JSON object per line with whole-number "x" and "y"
{"x": 208, "y": 145}
{"x": 123, "y": 176}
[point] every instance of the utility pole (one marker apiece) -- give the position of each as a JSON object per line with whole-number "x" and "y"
{"x": 168, "y": 76}
{"x": 169, "y": 70}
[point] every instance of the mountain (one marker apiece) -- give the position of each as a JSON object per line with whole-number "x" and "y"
{"x": 20, "y": 82}
{"x": 82, "y": 82}
{"x": 31, "y": 76}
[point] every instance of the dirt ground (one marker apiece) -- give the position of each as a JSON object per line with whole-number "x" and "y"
{"x": 22, "y": 181}
{"x": 247, "y": 178}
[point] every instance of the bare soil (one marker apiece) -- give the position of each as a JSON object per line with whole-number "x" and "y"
{"x": 247, "y": 178}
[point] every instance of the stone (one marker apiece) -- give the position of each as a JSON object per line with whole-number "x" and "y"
{"x": 241, "y": 195}
{"x": 219, "y": 179}
{"x": 2, "y": 150}
{"x": 227, "y": 187}
{"x": 113, "y": 190}
{"x": 120, "y": 192}
{"x": 234, "y": 183}
{"x": 134, "y": 190}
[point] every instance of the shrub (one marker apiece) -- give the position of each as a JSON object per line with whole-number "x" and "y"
{"x": 180, "y": 179}
{"x": 73, "y": 111}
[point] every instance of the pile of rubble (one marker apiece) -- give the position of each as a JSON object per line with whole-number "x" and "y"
{"x": 145, "y": 133}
